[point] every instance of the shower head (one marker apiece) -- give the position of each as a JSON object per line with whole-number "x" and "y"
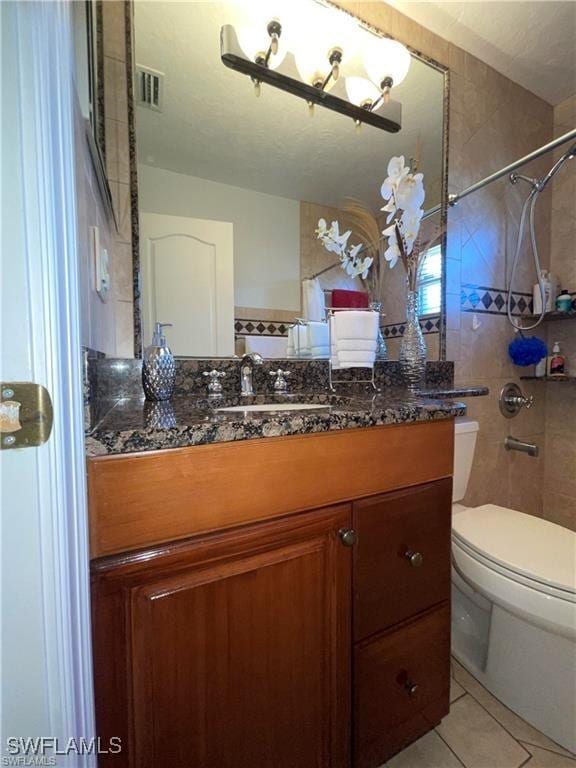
{"x": 516, "y": 177}
{"x": 571, "y": 153}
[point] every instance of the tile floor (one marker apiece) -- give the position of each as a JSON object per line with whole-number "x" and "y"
{"x": 480, "y": 732}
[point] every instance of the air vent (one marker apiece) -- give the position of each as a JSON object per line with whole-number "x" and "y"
{"x": 149, "y": 88}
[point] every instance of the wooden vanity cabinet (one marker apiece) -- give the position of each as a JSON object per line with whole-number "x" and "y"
{"x": 231, "y": 651}
{"x": 261, "y": 636}
{"x": 401, "y": 578}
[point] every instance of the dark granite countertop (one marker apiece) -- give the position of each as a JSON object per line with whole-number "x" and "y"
{"x": 128, "y": 425}
{"x": 456, "y": 392}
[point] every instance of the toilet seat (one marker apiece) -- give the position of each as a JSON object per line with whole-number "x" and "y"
{"x": 543, "y": 594}
{"x": 527, "y": 549}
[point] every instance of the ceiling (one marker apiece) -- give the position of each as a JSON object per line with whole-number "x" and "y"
{"x": 532, "y": 43}
{"x": 213, "y": 127}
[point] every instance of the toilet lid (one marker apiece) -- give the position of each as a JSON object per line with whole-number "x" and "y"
{"x": 535, "y": 548}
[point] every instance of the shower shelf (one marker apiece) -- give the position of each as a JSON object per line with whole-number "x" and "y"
{"x": 555, "y": 316}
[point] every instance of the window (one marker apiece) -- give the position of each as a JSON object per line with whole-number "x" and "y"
{"x": 430, "y": 282}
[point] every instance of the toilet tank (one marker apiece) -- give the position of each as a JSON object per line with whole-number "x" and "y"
{"x": 465, "y": 435}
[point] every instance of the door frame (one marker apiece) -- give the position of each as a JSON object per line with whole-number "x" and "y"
{"x": 43, "y": 46}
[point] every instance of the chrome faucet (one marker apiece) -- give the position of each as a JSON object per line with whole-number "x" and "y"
{"x": 514, "y": 444}
{"x": 249, "y": 360}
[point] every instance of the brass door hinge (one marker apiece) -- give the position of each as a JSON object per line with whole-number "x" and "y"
{"x": 25, "y": 414}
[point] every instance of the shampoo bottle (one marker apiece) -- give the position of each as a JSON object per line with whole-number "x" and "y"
{"x": 556, "y": 362}
{"x": 158, "y": 367}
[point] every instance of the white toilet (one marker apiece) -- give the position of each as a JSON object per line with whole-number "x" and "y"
{"x": 514, "y": 604}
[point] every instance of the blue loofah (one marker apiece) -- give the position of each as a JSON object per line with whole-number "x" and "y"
{"x": 527, "y": 351}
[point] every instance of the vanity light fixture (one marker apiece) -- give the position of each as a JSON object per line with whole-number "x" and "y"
{"x": 316, "y": 69}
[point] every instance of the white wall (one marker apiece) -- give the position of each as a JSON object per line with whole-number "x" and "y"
{"x": 266, "y": 231}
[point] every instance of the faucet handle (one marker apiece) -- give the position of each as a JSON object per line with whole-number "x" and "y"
{"x": 280, "y": 383}
{"x": 512, "y": 399}
{"x": 214, "y": 385}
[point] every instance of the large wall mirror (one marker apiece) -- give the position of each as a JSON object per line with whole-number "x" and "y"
{"x": 233, "y": 179}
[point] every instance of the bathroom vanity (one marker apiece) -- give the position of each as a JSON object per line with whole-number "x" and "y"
{"x": 276, "y": 602}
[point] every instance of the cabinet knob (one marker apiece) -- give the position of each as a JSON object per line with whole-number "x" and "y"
{"x": 414, "y": 558}
{"x": 411, "y": 688}
{"x": 348, "y": 536}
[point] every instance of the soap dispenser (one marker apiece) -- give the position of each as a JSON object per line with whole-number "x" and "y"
{"x": 158, "y": 367}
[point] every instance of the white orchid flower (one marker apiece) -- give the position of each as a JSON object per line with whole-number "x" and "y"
{"x": 321, "y": 229}
{"x": 410, "y": 192}
{"x": 390, "y": 209}
{"x": 355, "y": 250}
{"x": 392, "y": 253}
{"x": 337, "y": 243}
{"x": 397, "y": 171}
{"x": 342, "y": 239}
{"x": 410, "y": 226}
{"x": 365, "y": 266}
{"x": 331, "y": 246}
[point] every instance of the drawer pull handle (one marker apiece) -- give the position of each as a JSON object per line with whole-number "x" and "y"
{"x": 348, "y": 536}
{"x": 411, "y": 688}
{"x": 414, "y": 558}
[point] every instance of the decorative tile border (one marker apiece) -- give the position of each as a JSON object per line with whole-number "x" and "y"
{"x": 492, "y": 301}
{"x": 429, "y": 324}
{"x": 260, "y": 328}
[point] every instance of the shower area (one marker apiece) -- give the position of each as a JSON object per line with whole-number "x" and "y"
{"x": 509, "y": 226}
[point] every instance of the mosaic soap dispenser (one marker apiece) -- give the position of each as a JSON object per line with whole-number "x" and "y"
{"x": 158, "y": 367}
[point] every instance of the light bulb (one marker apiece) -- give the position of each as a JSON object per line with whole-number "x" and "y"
{"x": 312, "y": 66}
{"x": 338, "y": 30}
{"x": 255, "y": 42}
{"x": 386, "y": 60}
{"x": 361, "y": 91}
{"x": 326, "y": 40}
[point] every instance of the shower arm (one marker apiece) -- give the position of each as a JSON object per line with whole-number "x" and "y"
{"x": 455, "y": 197}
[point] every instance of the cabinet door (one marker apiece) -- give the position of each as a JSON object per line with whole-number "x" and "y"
{"x": 402, "y": 559}
{"x": 236, "y": 651}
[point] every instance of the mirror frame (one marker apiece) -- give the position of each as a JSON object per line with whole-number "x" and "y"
{"x": 95, "y": 123}
{"x": 441, "y": 68}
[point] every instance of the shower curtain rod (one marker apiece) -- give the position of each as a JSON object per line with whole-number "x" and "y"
{"x": 454, "y": 198}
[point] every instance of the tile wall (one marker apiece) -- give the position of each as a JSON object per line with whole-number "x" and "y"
{"x": 560, "y": 433}
{"x": 492, "y": 121}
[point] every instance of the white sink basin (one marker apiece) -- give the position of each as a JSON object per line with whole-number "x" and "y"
{"x": 271, "y": 407}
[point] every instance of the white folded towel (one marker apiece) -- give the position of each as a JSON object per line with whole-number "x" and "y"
{"x": 354, "y": 345}
{"x": 317, "y": 334}
{"x": 313, "y": 303}
{"x": 334, "y": 361}
{"x": 354, "y": 339}
{"x": 353, "y": 324}
{"x": 298, "y": 341}
{"x": 356, "y": 359}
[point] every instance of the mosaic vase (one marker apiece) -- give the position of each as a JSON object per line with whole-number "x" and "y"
{"x": 159, "y": 415}
{"x": 412, "y": 355}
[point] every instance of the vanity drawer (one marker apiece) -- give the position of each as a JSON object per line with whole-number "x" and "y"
{"x": 402, "y": 557}
{"x": 402, "y": 686}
